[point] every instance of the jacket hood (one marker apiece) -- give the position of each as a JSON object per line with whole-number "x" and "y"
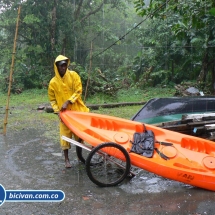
{"x": 60, "y": 58}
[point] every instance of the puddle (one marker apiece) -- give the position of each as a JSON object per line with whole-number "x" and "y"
{"x": 29, "y": 161}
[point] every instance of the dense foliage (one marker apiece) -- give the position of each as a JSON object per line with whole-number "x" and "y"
{"x": 77, "y": 29}
{"x": 110, "y": 45}
{"x": 190, "y": 38}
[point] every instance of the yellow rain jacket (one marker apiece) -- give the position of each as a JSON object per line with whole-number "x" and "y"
{"x": 61, "y": 89}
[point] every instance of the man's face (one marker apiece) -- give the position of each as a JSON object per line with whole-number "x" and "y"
{"x": 62, "y": 69}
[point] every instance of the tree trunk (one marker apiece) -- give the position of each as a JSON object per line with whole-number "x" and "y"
{"x": 49, "y": 109}
{"x": 52, "y": 33}
{"x": 53, "y": 27}
{"x": 213, "y": 77}
{"x": 172, "y": 70}
{"x": 204, "y": 69}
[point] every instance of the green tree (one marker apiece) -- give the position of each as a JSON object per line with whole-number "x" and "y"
{"x": 49, "y": 28}
{"x": 193, "y": 28}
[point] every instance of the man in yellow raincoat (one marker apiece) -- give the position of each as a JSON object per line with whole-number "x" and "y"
{"x": 65, "y": 91}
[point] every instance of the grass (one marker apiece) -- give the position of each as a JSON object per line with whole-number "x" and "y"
{"x": 132, "y": 95}
{"x": 28, "y": 97}
{"x": 37, "y": 97}
{"x": 23, "y": 111}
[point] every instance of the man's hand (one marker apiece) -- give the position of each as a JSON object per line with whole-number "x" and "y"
{"x": 64, "y": 106}
{"x": 58, "y": 114}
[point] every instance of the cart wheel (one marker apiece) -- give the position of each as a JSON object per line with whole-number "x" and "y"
{"x": 108, "y": 164}
{"x": 82, "y": 153}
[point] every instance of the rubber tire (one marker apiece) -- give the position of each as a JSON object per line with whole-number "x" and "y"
{"x": 89, "y": 164}
{"x": 80, "y": 155}
{"x": 79, "y": 151}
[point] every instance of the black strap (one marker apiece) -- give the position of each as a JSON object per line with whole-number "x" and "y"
{"x": 144, "y": 128}
{"x": 162, "y": 155}
{"x": 164, "y": 143}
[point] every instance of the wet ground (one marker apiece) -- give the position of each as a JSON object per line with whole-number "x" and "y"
{"x": 30, "y": 161}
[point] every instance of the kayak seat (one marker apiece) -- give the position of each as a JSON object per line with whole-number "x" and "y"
{"x": 111, "y": 125}
{"x": 96, "y": 135}
{"x": 143, "y": 143}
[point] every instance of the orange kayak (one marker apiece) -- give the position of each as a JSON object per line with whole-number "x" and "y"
{"x": 191, "y": 160}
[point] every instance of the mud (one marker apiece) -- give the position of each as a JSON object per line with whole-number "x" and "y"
{"x": 31, "y": 161}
